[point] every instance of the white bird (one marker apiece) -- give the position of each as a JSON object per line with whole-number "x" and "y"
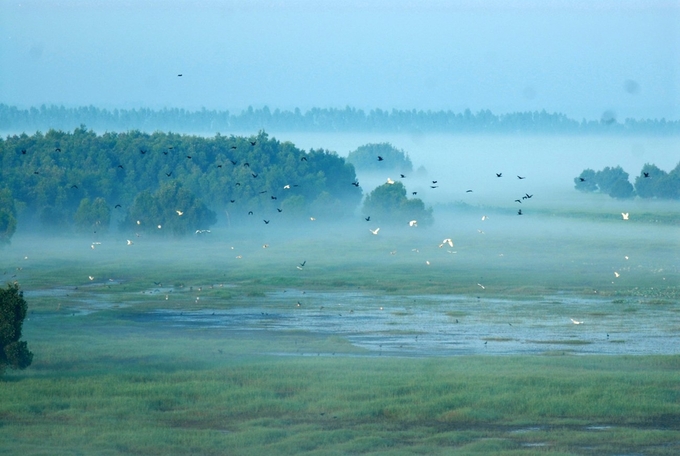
{"x": 413, "y": 223}
{"x": 138, "y": 222}
{"x": 427, "y": 262}
{"x": 286, "y": 187}
{"x": 90, "y": 277}
{"x": 374, "y": 231}
{"x": 624, "y": 215}
{"x": 484, "y": 217}
{"x": 482, "y": 286}
{"x": 390, "y": 181}
{"x": 180, "y": 213}
{"x": 160, "y": 226}
{"x": 576, "y": 322}
{"x": 447, "y": 241}
{"x": 312, "y": 218}
{"x": 129, "y": 242}
{"x": 264, "y": 246}
{"x": 616, "y": 274}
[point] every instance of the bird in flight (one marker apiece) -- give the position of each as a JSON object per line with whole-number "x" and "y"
{"x": 250, "y": 212}
{"x": 519, "y": 212}
{"x": 499, "y": 174}
{"x": 58, "y": 149}
{"x": 434, "y": 186}
{"x": 526, "y": 195}
{"x": 286, "y": 187}
{"x": 374, "y": 231}
{"x": 581, "y": 179}
{"x": 74, "y": 186}
{"x": 169, "y": 174}
{"x": 403, "y": 176}
{"x": 368, "y": 219}
{"x": 414, "y": 193}
{"x": 266, "y": 222}
{"x": 252, "y": 143}
{"x": 520, "y": 177}
{"x": 518, "y": 201}
{"x": 413, "y": 223}
{"x": 142, "y": 151}
{"x": 356, "y": 184}
{"x": 446, "y": 241}
{"x": 117, "y": 206}
{"x": 180, "y": 213}
{"x": 303, "y": 159}
{"x": 380, "y": 158}
{"x": 576, "y": 322}
{"x": 625, "y": 215}
{"x": 646, "y": 174}
{"x": 468, "y": 191}
{"x": 390, "y": 181}
{"x": 279, "y": 210}
{"x": 273, "y": 197}
{"x": 179, "y": 75}
{"x": 129, "y": 242}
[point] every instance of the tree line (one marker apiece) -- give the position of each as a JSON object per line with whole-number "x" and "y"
{"x": 651, "y": 183}
{"x": 347, "y": 119}
{"x": 165, "y": 183}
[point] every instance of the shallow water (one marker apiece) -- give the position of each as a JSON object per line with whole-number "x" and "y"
{"x": 447, "y": 325}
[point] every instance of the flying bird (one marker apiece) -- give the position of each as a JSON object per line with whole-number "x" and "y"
{"x": 499, "y": 174}
{"x": 250, "y": 212}
{"x": 624, "y": 215}
{"x": 581, "y": 179}
{"x": 280, "y": 210}
{"x": 390, "y": 181}
{"x": 179, "y": 75}
{"x": 380, "y": 158}
{"x": 266, "y": 222}
{"x": 180, "y": 213}
{"x": 413, "y": 223}
{"x": 402, "y": 176}
{"x": 520, "y": 177}
{"x": 519, "y": 212}
{"x": 356, "y": 184}
{"x": 117, "y": 206}
{"x": 374, "y": 231}
{"x": 414, "y": 193}
{"x": 74, "y": 186}
{"x": 303, "y": 159}
{"x": 189, "y": 157}
{"x": 169, "y": 174}
{"x": 645, "y": 174}
{"x": 518, "y": 201}
{"x": 252, "y": 143}
{"x": 447, "y": 241}
{"x": 368, "y": 219}
{"x": 286, "y": 187}
{"x": 58, "y": 149}
{"x": 526, "y": 195}
{"x": 434, "y": 186}
{"x": 468, "y": 191}
{"x": 576, "y": 322}
{"x": 129, "y": 242}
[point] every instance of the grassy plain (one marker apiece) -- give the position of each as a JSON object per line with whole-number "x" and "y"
{"x": 102, "y": 383}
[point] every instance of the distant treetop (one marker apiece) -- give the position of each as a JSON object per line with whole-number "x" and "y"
{"x": 380, "y": 157}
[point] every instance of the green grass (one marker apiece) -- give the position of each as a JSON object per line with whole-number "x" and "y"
{"x": 103, "y": 383}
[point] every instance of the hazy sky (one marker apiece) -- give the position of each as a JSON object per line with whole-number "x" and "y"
{"x": 581, "y": 58}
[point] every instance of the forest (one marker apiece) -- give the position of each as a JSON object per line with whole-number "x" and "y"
{"x": 165, "y": 183}
{"x": 652, "y": 182}
{"x": 348, "y": 119}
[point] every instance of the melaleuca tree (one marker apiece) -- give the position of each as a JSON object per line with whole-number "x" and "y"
{"x": 388, "y": 204}
{"x": 13, "y": 308}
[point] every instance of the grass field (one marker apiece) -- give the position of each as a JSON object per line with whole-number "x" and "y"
{"x": 104, "y": 383}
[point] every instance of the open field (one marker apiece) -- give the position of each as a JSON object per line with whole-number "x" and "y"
{"x": 216, "y": 345}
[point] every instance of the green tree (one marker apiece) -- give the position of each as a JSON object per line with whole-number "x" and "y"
{"x": 13, "y": 307}
{"x": 648, "y": 182}
{"x": 622, "y": 189}
{"x": 8, "y": 221}
{"x": 365, "y": 158}
{"x": 94, "y": 215}
{"x": 607, "y": 177}
{"x": 388, "y": 204}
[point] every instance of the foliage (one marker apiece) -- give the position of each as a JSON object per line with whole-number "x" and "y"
{"x": 365, "y": 158}
{"x": 8, "y": 221}
{"x": 172, "y": 209}
{"x": 89, "y": 180}
{"x": 347, "y": 119}
{"x": 388, "y": 204}
{"x": 13, "y": 307}
{"x": 651, "y": 183}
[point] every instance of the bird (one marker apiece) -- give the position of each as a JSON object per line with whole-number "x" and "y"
{"x": 234, "y": 147}
{"x": 368, "y": 219}
{"x": 250, "y": 212}
{"x": 90, "y": 277}
{"x": 499, "y": 174}
{"x": 434, "y": 186}
{"x": 252, "y": 143}
{"x": 74, "y": 186}
{"x": 402, "y": 176}
{"x": 246, "y": 165}
{"x": 58, "y": 149}
{"x": 520, "y": 177}
{"x": 526, "y": 195}
{"x": 468, "y": 191}
{"x": 286, "y": 187}
{"x": 356, "y": 184}
{"x": 645, "y": 174}
{"x": 380, "y": 158}
{"x": 180, "y": 213}
{"x": 414, "y": 193}
{"x": 413, "y": 223}
{"x": 23, "y": 151}
{"x": 312, "y": 218}
{"x": 481, "y": 286}
{"x": 266, "y": 222}
{"x": 390, "y": 181}
{"x": 273, "y": 197}
{"x": 519, "y": 212}
{"x": 279, "y": 210}
{"x": 232, "y": 201}
{"x": 616, "y": 274}
{"x": 121, "y": 166}
{"x": 254, "y": 174}
{"x": 169, "y": 174}
{"x": 142, "y": 151}
{"x": 581, "y": 179}
{"x": 189, "y": 157}
{"x": 303, "y": 159}
{"x": 129, "y": 242}
{"x": 233, "y": 162}
{"x": 374, "y": 231}
{"x": 576, "y": 322}
{"x": 447, "y": 241}
{"x": 518, "y": 201}
{"x": 624, "y": 215}
{"x": 179, "y": 75}
{"x": 484, "y": 217}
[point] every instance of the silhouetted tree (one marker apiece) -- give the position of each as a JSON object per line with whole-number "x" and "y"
{"x": 8, "y": 221}
{"x": 365, "y": 158}
{"x": 586, "y": 181}
{"x": 13, "y": 308}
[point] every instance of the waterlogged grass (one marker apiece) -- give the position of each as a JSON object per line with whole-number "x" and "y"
{"x": 158, "y": 398}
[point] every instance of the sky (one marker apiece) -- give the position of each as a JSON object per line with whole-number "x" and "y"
{"x": 585, "y": 59}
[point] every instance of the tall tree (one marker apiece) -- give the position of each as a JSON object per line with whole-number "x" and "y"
{"x": 13, "y": 308}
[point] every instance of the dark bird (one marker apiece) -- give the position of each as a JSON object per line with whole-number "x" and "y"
{"x": 246, "y": 164}
{"x": 74, "y": 186}
{"x": 57, "y": 149}
{"x": 302, "y": 265}
{"x": 117, "y": 206}
{"x": 238, "y": 184}
{"x": 304, "y": 159}
{"x": 368, "y": 219}
{"x": 36, "y": 172}
{"x": 233, "y": 201}
{"x": 250, "y": 212}
{"x": 179, "y": 75}
{"x": 414, "y": 193}
{"x": 121, "y": 166}
{"x": 219, "y": 166}
{"x": 581, "y": 179}
{"x": 518, "y": 201}
{"x": 233, "y": 147}
{"x": 189, "y": 157}
{"x": 403, "y": 176}
{"x": 520, "y": 177}
{"x": 169, "y": 174}
{"x": 356, "y": 184}
{"x": 646, "y": 174}
{"x": 468, "y": 191}
{"x": 499, "y": 174}
{"x": 273, "y": 197}
{"x": 434, "y": 186}
{"x": 252, "y": 143}
{"x": 23, "y": 151}
{"x": 266, "y": 222}
{"x": 528, "y": 195}
{"x": 519, "y": 212}
{"x": 380, "y": 158}
{"x": 263, "y": 191}
{"x": 233, "y": 162}
{"x": 434, "y": 182}
{"x": 253, "y": 174}
{"x": 165, "y": 152}
{"x": 280, "y": 210}
{"x": 142, "y": 151}
{"x": 170, "y": 147}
